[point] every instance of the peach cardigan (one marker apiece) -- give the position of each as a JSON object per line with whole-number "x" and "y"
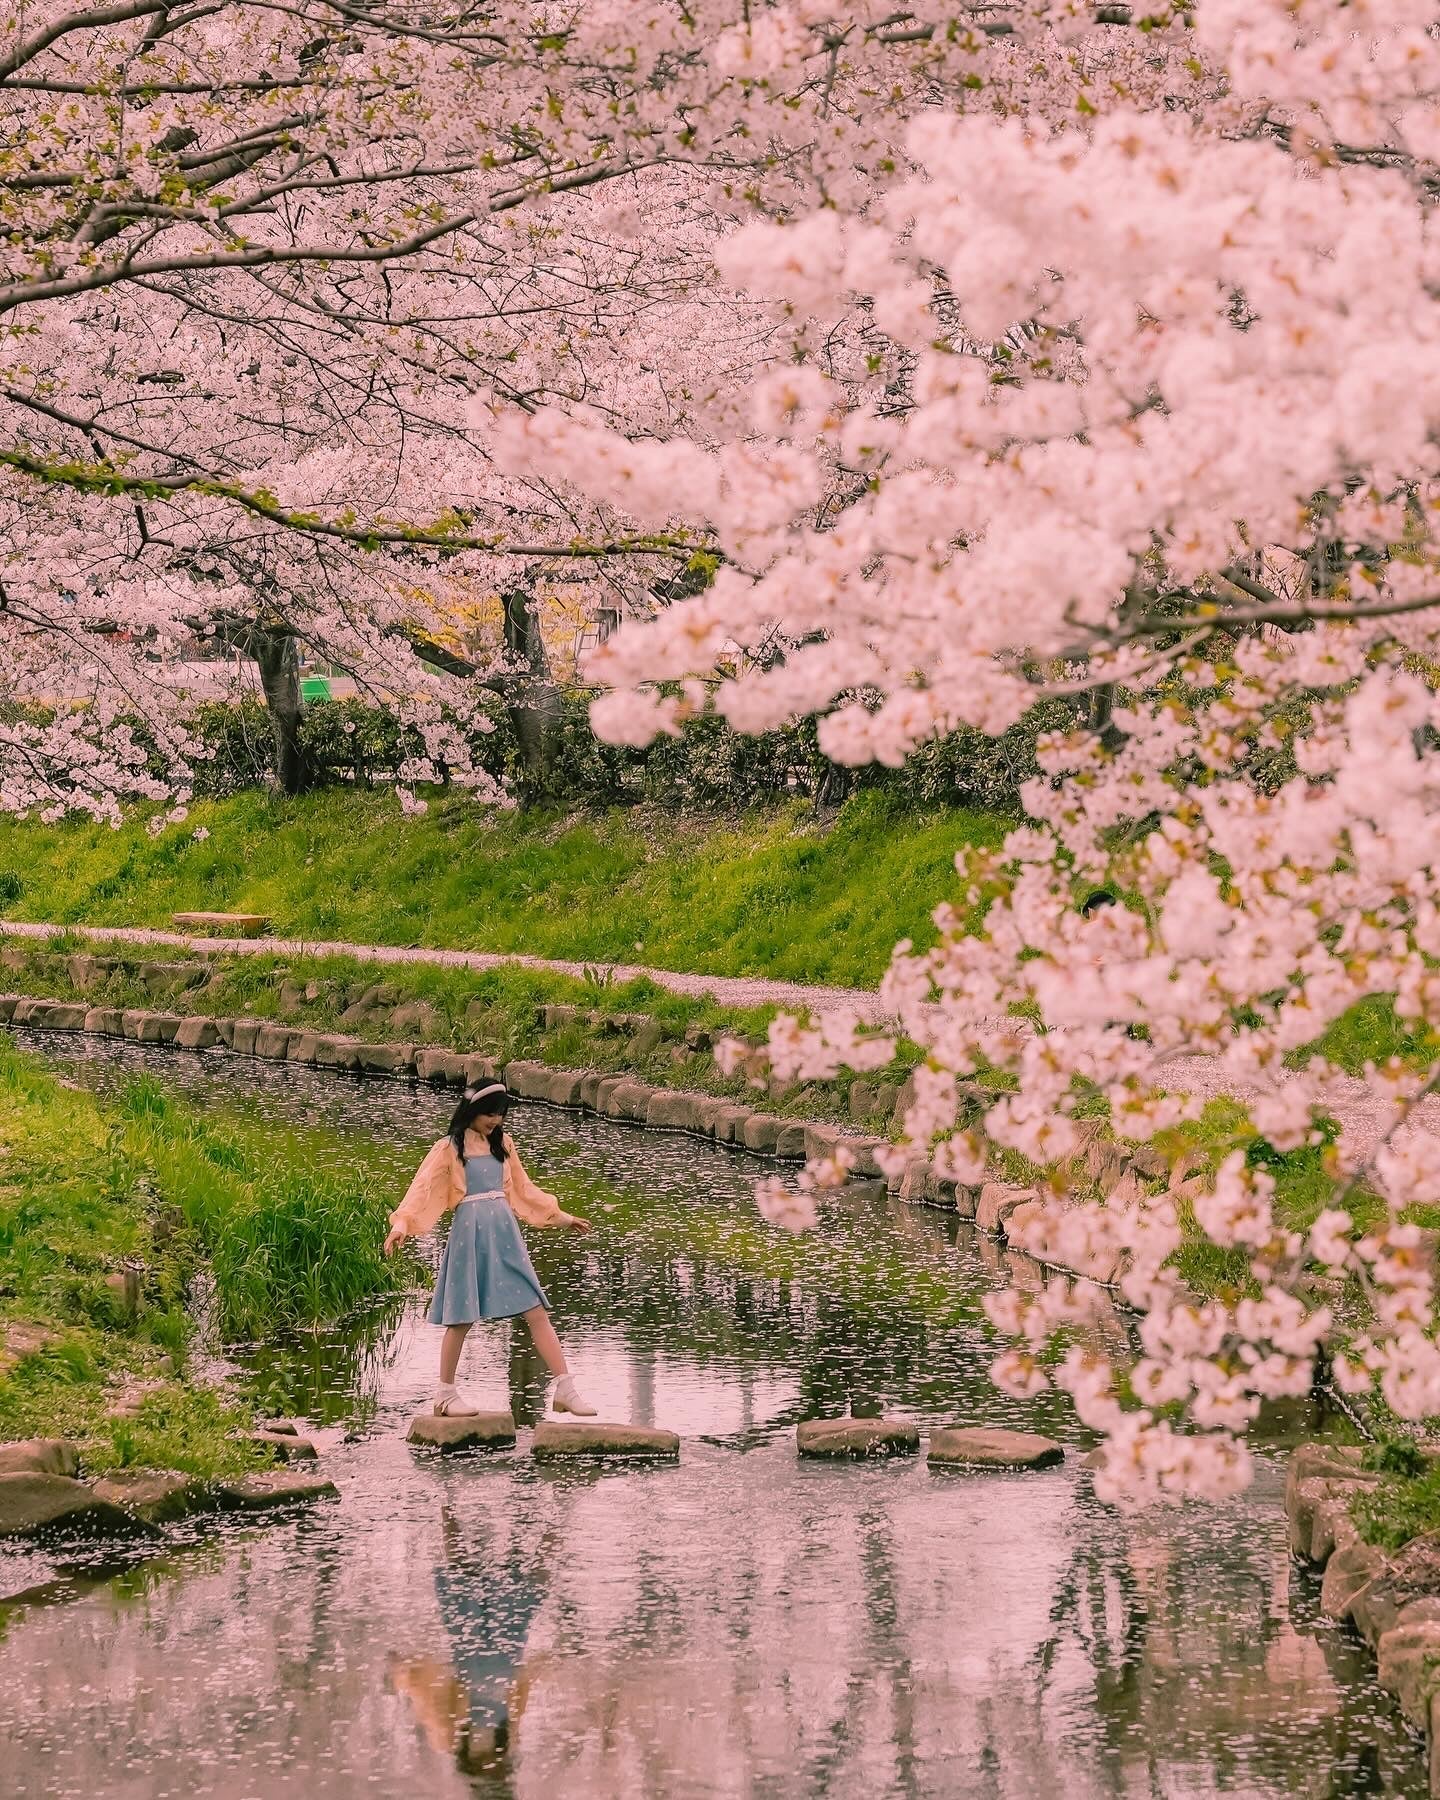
{"x": 439, "y": 1184}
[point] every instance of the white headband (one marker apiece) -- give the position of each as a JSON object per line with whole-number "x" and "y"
{"x": 493, "y": 1087}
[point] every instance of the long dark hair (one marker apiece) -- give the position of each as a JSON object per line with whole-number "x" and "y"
{"x": 489, "y": 1097}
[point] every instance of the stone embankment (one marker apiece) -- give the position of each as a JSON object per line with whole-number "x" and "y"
{"x": 1009, "y": 1211}
{"x": 1392, "y": 1601}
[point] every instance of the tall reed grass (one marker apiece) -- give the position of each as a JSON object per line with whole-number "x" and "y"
{"x": 291, "y": 1231}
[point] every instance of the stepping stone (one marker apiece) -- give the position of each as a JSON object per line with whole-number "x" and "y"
{"x": 273, "y": 1487}
{"x": 977, "y": 1447}
{"x": 850, "y": 1440}
{"x": 39, "y": 1456}
{"x": 287, "y": 1445}
{"x": 444, "y": 1431}
{"x": 30, "y": 1504}
{"x": 554, "y": 1442}
{"x": 156, "y": 1495}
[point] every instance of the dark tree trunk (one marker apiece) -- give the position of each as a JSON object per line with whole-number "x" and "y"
{"x": 533, "y": 702}
{"x": 834, "y": 789}
{"x": 278, "y": 660}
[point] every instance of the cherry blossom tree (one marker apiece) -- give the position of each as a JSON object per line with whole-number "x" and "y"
{"x": 1200, "y": 488}
{"x": 250, "y": 259}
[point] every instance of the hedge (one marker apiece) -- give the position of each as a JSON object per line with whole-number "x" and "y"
{"x": 707, "y": 768}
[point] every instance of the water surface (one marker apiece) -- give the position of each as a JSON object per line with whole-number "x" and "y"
{"x": 742, "y": 1625}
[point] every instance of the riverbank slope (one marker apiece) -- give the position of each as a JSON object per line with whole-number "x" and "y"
{"x": 772, "y": 893}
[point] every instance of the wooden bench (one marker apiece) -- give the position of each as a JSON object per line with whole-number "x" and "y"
{"x": 227, "y": 924}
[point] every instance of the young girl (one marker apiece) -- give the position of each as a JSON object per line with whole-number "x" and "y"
{"x": 485, "y": 1272}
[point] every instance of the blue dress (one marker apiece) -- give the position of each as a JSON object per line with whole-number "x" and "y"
{"x": 485, "y": 1272}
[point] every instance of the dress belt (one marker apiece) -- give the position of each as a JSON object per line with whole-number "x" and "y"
{"x": 493, "y": 1194}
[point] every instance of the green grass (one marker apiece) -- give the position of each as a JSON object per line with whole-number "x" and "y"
{"x": 768, "y": 894}
{"x": 1406, "y": 1504}
{"x": 290, "y": 1230}
{"x": 290, "y": 1224}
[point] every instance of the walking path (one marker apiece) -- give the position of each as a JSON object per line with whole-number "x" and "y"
{"x": 730, "y": 990}
{"x": 1353, "y": 1103}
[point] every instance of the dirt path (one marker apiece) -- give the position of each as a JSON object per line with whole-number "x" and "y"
{"x": 730, "y": 990}
{"x": 1352, "y": 1101}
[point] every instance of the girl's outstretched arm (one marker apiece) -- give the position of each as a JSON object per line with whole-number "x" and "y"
{"x": 430, "y": 1194}
{"x": 532, "y": 1203}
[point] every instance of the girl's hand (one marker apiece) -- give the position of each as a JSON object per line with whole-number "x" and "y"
{"x": 398, "y": 1235}
{"x": 580, "y": 1225}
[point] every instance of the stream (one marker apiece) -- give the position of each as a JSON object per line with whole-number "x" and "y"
{"x": 742, "y": 1625}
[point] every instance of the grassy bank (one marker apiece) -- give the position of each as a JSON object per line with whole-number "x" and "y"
{"x": 89, "y": 1189}
{"x": 770, "y": 894}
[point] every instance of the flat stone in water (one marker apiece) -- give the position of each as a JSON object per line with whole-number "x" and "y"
{"x": 274, "y": 1487}
{"x": 39, "y": 1456}
{"x": 852, "y": 1439}
{"x": 156, "y": 1495}
{"x": 978, "y": 1447}
{"x": 554, "y": 1441}
{"x": 31, "y": 1503}
{"x": 449, "y": 1431}
{"x": 287, "y": 1445}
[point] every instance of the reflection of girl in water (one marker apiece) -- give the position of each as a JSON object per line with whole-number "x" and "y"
{"x": 487, "y": 1597}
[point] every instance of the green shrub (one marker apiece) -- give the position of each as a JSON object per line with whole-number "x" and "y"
{"x": 706, "y": 768}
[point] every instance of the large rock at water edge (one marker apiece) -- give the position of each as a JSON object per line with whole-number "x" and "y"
{"x": 1409, "y": 1657}
{"x": 1412, "y": 1574}
{"x": 442, "y": 1068}
{"x": 996, "y": 1203}
{"x": 1348, "y": 1574}
{"x": 761, "y": 1132}
{"x": 153, "y": 1027}
{"x": 32, "y": 1504}
{"x": 850, "y": 1440}
{"x": 555, "y": 1440}
{"x": 450, "y": 1431}
{"x": 565, "y": 1087}
{"x": 629, "y": 1100}
{"x": 978, "y": 1447}
{"x": 39, "y": 1456}
{"x": 155, "y": 1495}
{"x": 672, "y": 1112}
{"x": 273, "y": 1487}
{"x": 528, "y": 1080}
{"x": 197, "y": 1033}
{"x": 289, "y": 1446}
{"x": 386, "y": 1059}
{"x": 729, "y": 1125}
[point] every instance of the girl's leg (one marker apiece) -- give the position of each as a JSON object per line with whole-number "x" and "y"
{"x": 451, "y": 1345}
{"x": 546, "y": 1342}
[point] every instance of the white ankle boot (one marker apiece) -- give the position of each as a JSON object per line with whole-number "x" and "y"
{"x": 450, "y": 1403}
{"x": 569, "y": 1399}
